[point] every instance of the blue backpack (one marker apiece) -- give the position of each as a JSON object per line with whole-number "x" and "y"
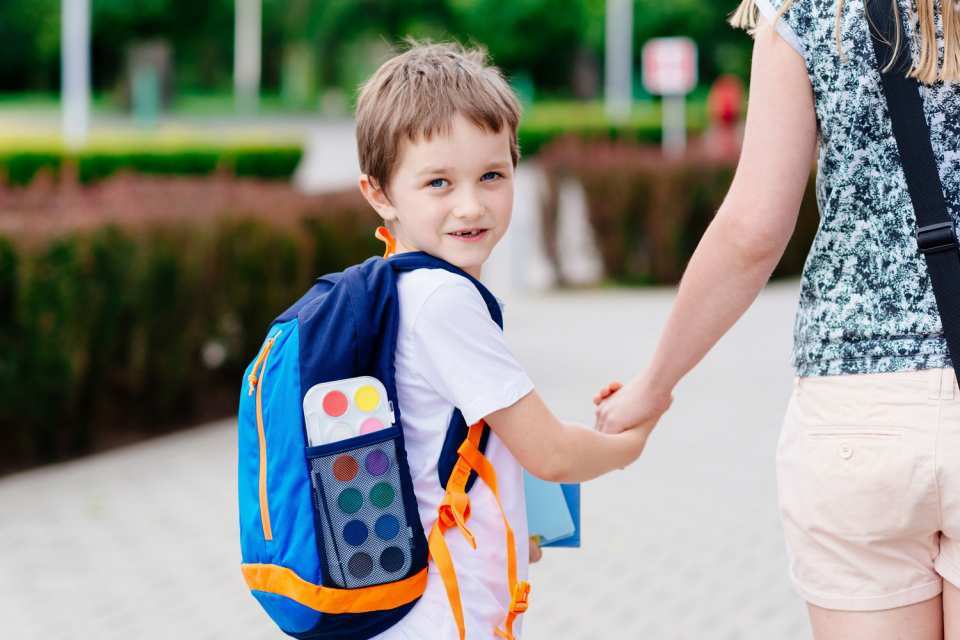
{"x": 331, "y": 539}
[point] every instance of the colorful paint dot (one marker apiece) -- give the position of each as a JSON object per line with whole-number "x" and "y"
{"x": 360, "y": 565}
{"x": 367, "y": 398}
{"x": 355, "y": 533}
{"x": 335, "y": 404}
{"x": 345, "y": 468}
{"x": 370, "y": 425}
{"x": 350, "y": 500}
{"x": 377, "y": 463}
{"x": 382, "y": 494}
{"x": 391, "y": 559}
{"x": 387, "y": 527}
{"x": 339, "y": 431}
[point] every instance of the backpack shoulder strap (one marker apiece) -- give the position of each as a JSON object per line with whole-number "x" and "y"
{"x": 936, "y": 231}
{"x": 419, "y": 260}
{"x": 458, "y": 429}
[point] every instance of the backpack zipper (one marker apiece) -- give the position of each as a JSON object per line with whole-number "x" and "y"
{"x": 256, "y": 382}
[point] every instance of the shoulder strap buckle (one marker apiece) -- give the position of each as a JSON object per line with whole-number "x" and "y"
{"x": 938, "y": 237}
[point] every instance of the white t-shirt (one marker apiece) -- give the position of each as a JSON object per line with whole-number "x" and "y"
{"x": 451, "y": 353}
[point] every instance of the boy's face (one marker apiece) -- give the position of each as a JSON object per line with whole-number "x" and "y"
{"x": 450, "y": 196}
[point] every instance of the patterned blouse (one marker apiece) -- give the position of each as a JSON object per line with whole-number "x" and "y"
{"x": 866, "y": 303}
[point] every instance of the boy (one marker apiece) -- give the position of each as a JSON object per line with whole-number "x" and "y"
{"x": 437, "y": 139}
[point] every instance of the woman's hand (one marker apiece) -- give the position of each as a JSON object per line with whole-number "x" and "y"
{"x": 638, "y": 405}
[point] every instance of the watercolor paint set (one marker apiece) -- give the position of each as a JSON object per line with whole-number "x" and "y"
{"x": 356, "y": 481}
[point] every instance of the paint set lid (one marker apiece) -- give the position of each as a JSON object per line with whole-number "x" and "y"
{"x": 343, "y": 409}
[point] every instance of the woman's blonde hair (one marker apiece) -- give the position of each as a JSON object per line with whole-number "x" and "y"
{"x": 926, "y": 68}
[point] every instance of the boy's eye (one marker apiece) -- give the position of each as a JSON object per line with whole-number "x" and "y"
{"x": 490, "y": 175}
{"x": 437, "y": 183}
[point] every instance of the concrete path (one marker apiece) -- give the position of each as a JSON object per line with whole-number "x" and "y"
{"x": 141, "y": 543}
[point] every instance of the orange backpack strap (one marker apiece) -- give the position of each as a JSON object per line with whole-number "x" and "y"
{"x": 454, "y": 512}
{"x": 519, "y": 591}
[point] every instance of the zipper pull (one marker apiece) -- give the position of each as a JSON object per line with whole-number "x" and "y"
{"x": 257, "y": 372}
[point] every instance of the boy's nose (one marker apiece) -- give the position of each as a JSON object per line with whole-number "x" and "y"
{"x": 468, "y": 206}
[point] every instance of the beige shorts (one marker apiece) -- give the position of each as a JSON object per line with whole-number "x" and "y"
{"x": 868, "y": 468}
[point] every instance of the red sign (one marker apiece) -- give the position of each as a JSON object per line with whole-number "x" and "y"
{"x": 670, "y": 66}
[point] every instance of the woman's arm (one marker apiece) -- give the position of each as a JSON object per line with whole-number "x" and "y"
{"x": 745, "y": 240}
{"x": 559, "y": 452}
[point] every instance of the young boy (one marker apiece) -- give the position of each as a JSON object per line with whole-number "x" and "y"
{"x": 437, "y": 138}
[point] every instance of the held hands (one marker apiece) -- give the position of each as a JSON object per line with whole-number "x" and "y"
{"x": 638, "y": 405}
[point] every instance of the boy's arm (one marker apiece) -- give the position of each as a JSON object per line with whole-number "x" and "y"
{"x": 557, "y": 452}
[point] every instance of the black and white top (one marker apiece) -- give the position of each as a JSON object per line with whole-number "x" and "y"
{"x": 866, "y": 303}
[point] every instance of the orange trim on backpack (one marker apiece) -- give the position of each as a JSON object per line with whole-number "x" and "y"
{"x": 271, "y": 578}
{"x": 257, "y": 382}
{"x": 383, "y": 235}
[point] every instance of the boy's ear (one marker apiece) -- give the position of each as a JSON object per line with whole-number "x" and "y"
{"x": 377, "y": 198}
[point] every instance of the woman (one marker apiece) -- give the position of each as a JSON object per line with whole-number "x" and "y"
{"x": 868, "y": 462}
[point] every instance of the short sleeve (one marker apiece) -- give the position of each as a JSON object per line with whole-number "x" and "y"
{"x": 462, "y": 354}
{"x": 783, "y": 25}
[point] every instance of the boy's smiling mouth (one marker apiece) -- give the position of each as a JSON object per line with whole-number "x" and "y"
{"x": 468, "y": 235}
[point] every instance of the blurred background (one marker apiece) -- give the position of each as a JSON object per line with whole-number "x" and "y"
{"x": 174, "y": 173}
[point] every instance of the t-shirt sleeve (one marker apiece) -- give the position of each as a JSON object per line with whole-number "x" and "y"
{"x": 769, "y": 10}
{"x": 462, "y": 354}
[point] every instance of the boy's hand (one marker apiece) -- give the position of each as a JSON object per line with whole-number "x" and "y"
{"x": 536, "y": 553}
{"x": 606, "y": 392}
{"x": 637, "y": 405}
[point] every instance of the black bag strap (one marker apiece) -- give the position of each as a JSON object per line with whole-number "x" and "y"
{"x": 936, "y": 232}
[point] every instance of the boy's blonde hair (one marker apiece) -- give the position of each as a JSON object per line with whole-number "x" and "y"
{"x": 417, "y": 94}
{"x": 927, "y": 68}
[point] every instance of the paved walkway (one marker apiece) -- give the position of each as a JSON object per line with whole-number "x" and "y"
{"x": 141, "y": 543}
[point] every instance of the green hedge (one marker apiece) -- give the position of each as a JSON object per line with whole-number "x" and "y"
{"x": 19, "y": 168}
{"x": 648, "y": 213}
{"x": 535, "y": 138}
{"x": 114, "y": 334}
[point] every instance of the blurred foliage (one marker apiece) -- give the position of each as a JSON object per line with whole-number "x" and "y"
{"x": 648, "y": 212}
{"x": 544, "y": 40}
{"x": 114, "y": 334}
{"x": 20, "y": 166}
{"x": 545, "y": 122}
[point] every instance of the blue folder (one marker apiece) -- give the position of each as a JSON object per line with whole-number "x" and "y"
{"x": 553, "y": 512}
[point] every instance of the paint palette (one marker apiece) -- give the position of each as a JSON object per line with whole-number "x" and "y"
{"x": 366, "y": 537}
{"x": 343, "y": 409}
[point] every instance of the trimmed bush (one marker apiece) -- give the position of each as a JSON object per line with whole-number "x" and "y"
{"x": 21, "y": 167}
{"x": 274, "y": 164}
{"x": 115, "y": 333}
{"x": 647, "y": 212}
{"x": 97, "y": 165}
